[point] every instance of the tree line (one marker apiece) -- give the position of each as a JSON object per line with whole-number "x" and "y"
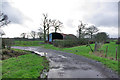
{"x": 83, "y": 31}
{"x": 43, "y": 31}
{"x": 91, "y": 33}
{"x": 46, "y": 24}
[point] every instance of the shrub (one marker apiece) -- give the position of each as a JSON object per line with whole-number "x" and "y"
{"x": 91, "y": 42}
{"x": 70, "y": 37}
{"x": 69, "y": 43}
{"x": 117, "y": 42}
{"x": 7, "y": 43}
{"x": 106, "y": 42}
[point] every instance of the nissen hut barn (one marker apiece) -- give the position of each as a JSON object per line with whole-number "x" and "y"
{"x": 61, "y": 36}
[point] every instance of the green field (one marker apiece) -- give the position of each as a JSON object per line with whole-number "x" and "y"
{"x": 85, "y": 51}
{"x": 28, "y": 43}
{"x": 25, "y": 66}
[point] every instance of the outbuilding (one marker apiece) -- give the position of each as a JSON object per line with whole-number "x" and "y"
{"x": 60, "y": 36}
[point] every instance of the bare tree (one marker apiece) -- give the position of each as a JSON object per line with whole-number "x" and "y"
{"x": 23, "y": 35}
{"x": 57, "y": 25}
{"x": 40, "y": 33}
{"x": 33, "y": 34}
{"x": 2, "y": 32}
{"x": 46, "y": 24}
{"x": 49, "y": 24}
{"x": 3, "y": 19}
{"x": 81, "y": 30}
{"x": 91, "y": 30}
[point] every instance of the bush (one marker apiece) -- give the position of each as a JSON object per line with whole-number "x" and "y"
{"x": 91, "y": 42}
{"x": 106, "y": 42}
{"x": 7, "y": 43}
{"x": 69, "y": 43}
{"x": 117, "y": 42}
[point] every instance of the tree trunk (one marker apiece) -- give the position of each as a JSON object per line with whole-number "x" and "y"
{"x": 44, "y": 34}
{"x": 90, "y": 47}
{"x": 55, "y": 30}
{"x": 48, "y": 33}
{"x": 91, "y": 35}
{"x": 80, "y": 33}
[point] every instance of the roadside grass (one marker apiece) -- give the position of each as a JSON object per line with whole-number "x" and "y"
{"x": 85, "y": 51}
{"x": 111, "y": 49}
{"x": 24, "y": 66}
{"x": 21, "y": 51}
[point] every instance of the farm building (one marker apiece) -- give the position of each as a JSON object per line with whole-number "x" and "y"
{"x": 60, "y": 36}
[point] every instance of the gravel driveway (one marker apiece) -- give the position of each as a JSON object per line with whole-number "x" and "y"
{"x": 68, "y": 65}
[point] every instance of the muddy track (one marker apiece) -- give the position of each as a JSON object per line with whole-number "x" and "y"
{"x": 68, "y": 65}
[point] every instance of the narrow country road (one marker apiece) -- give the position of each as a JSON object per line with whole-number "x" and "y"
{"x": 68, "y": 65}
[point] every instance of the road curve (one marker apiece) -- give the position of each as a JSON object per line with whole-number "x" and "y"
{"x": 68, "y": 65}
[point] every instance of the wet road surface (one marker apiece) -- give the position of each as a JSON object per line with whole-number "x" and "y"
{"x": 67, "y": 65}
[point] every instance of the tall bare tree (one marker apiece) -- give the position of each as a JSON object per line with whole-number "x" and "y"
{"x": 33, "y": 34}
{"x": 91, "y": 30}
{"x": 45, "y": 16}
{"x": 23, "y": 35}
{"x": 49, "y": 24}
{"x": 40, "y": 33}
{"x": 3, "y": 19}
{"x": 57, "y": 25}
{"x": 46, "y": 25}
{"x": 81, "y": 30}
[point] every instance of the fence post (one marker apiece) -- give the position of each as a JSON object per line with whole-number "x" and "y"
{"x": 95, "y": 48}
{"x": 116, "y": 53}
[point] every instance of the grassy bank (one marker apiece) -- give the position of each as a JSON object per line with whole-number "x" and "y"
{"x": 25, "y": 66}
{"x": 85, "y": 51}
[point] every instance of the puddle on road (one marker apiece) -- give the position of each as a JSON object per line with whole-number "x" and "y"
{"x": 62, "y": 56}
{"x": 60, "y": 67}
{"x": 63, "y": 67}
{"x": 66, "y": 67}
{"x": 41, "y": 53}
{"x": 58, "y": 73}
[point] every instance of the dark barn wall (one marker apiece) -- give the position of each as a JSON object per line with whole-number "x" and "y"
{"x": 55, "y": 36}
{"x": 61, "y": 36}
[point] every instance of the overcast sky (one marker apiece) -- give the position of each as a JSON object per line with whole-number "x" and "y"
{"x": 26, "y": 15}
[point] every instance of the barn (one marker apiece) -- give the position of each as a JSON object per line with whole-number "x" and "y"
{"x": 60, "y": 36}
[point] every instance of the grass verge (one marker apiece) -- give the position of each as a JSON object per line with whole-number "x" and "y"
{"x": 24, "y": 66}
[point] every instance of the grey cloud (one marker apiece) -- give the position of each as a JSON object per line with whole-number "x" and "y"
{"x": 69, "y": 23}
{"x": 108, "y": 16}
{"x": 14, "y": 15}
